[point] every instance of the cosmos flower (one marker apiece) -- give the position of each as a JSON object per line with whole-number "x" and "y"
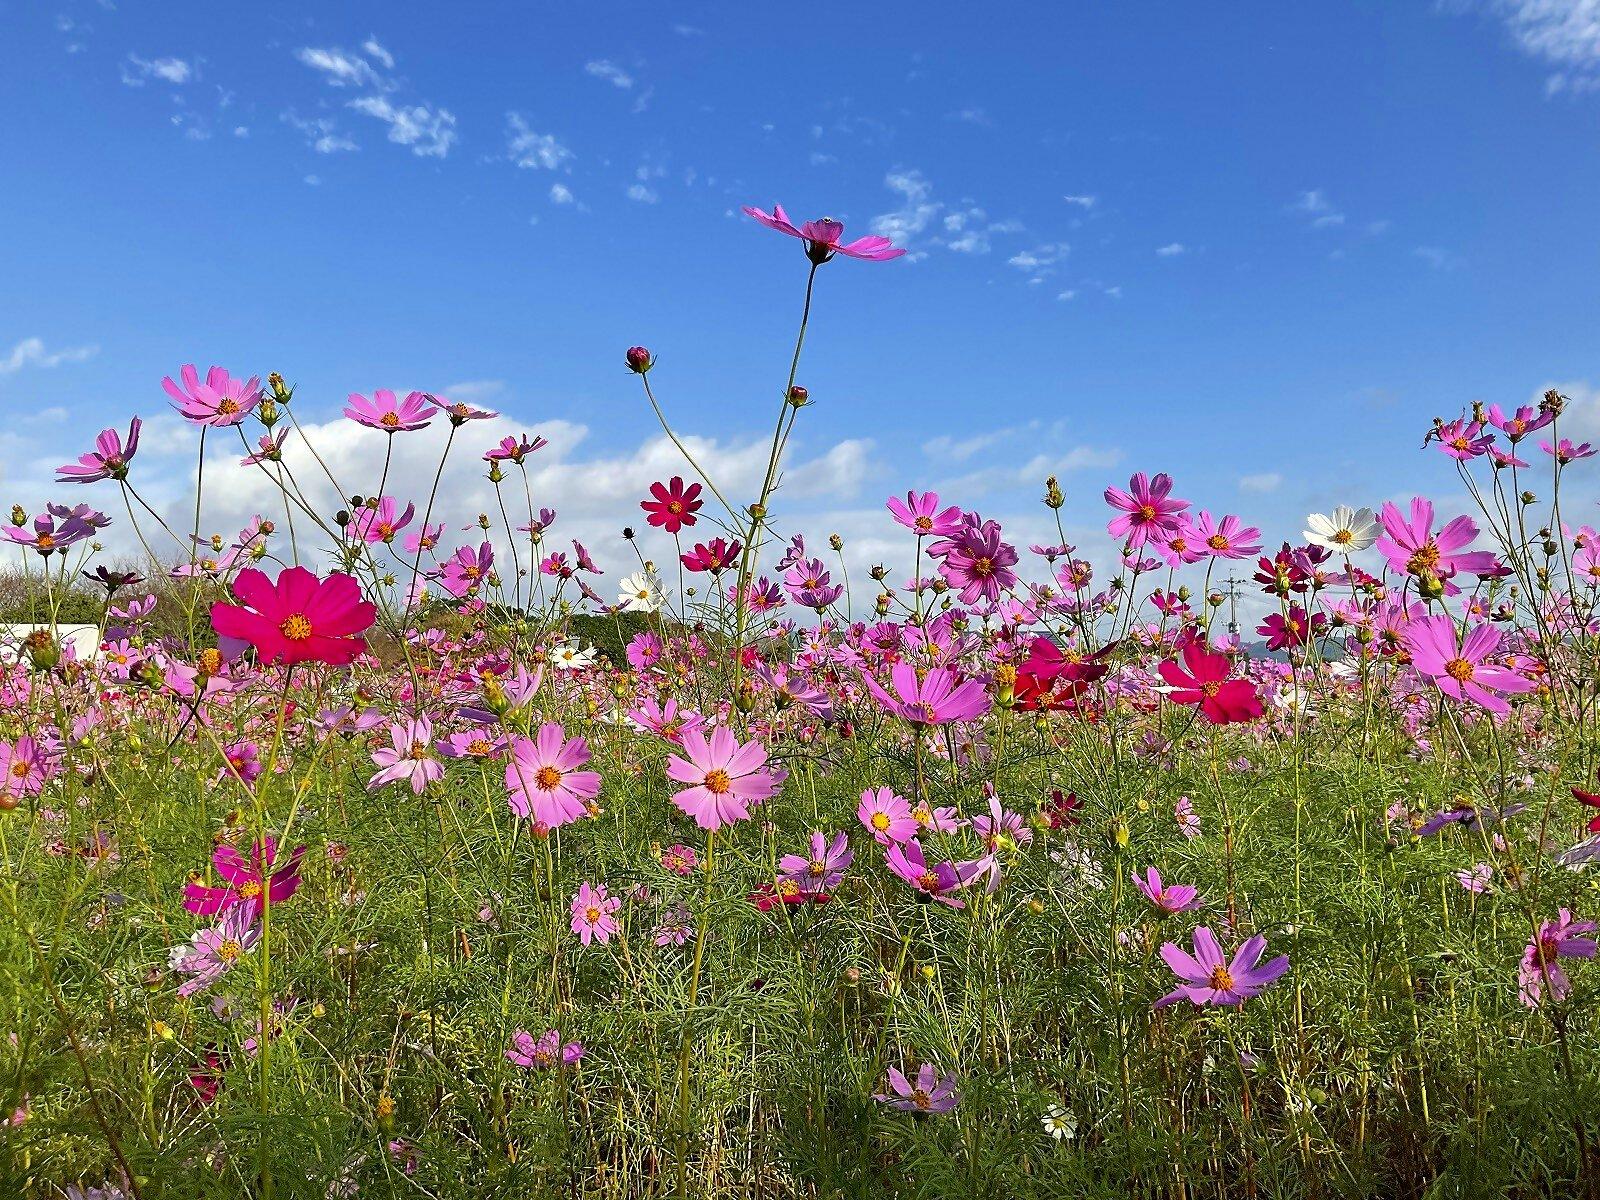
{"x": 822, "y": 237}
{"x": 514, "y": 449}
{"x": 593, "y": 916}
{"x": 934, "y": 881}
{"x": 1148, "y": 511}
{"x": 672, "y": 506}
{"x": 1165, "y": 898}
{"x": 465, "y": 571}
{"x": 25, "y": 767}
{"x": 887, "y": 816}
{"x": 222, "y": 400}
{"x": 212, "y": 953}
{"x": 725, "y": 777}
{"x": 640, "y": 592}
{"x": 977, "y": 563}
{"x": 1463, "y": 672}
{"x": 715, "y": 557}
{"x": 297, "y": 618}
{"x": 1203, "y": 680}
{"x": 1541, "y": 961}
{"x": 381, "y": 522}
{"x": 389, "y": 414}
{"x": 250, "y": 882}
{"x": 930, "y": 1093}
{"x": 543, "y": 777}
{"x": 1463, "y": 440}
{"x": 409, "y": 757}
{"x": 920, "y": 513}
{"x": 545, "y": 1051}
{"x": 1207, "y": 977}
{"x": 935, "y": 697}
{"x": 1348, "y": 530}
{"x": 1411, "y": 545}
{"x": 1227, "y": 538}
{"x": 108, "y": 460}
{"x": 823, "y": 868}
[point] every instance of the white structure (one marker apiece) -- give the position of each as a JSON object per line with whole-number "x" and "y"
{"x": 82, "y": 641}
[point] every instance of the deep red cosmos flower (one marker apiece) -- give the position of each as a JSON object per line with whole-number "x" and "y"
{"x": 1589, "y": 800}
{"x": 1203, "y": 680}
{"x": 716, "y": 557}
{"x": 674, "y": 506}
{"x": 1053, "y": 679}
{"x": 300, "y": 618}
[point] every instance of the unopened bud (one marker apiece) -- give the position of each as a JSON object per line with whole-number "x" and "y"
{"x": 1052, "y": 493}
{"x": 798, "y": 396}
{"x": 639, "y": 360}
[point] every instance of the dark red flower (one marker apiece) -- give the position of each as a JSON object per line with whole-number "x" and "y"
{"x": 674, "y": 505}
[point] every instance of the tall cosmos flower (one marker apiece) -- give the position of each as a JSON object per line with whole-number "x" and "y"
{"x": 823, "y": 868}
{"x": 249, "y": 881}
{"x": 920, "y": 513}
{"x": 108, "y": 460}
{"x": 1411, "y": 545}
{"x": 887, "y": 816}
{"x": 933, "y": 881}
{"x": 299, "y": 618}
{"x": 672, "y": 506}
{"x": 389, "y": 414}
{"x": 1165, "y": 898}
{"x": 1203, "y": 680}
{"x": 1464, "y": 672}
{"x": 1208, "y": 977}
{"x": 409, "y": 756}
{"x": 382, "y": 523}
{"x": 935, "y": 697}
{"x": 1148, "y": 510}
{"x": 928, "y": 1093}
{"x": 213, "y": 952}
{"x": 1347, "y": 530}
{"x": 978, "y": 563}
{"x": 25, "y": 767}
{"x": 543, "y": 779}
{"x": 222, "y": 400}
{"x": 725, "y": 777}
{"x": 1541, "y": 961}
{"x": 1227, "y": 538}
{"x": 822, "y": 237}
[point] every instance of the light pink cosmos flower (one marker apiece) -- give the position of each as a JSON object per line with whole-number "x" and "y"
{"x": 1227, "y": 538}
{"x": 25, "y": 767}
{"x": 822, "y": 870}
{"x": 409, "y": 756}
{"x": 388, "y": 413}
{"x": 545, "y": 1051}
{"x": 887, "y": 816}
{"x": 381, "y": 524}
{"x": 934, "y": 881}
{"x": 543, "y": 778}
{"x": 212, "y": 953}
{"x": 1412, "y": 546}
{"x": 822, "y": 237}
{"x": 466, "y": 570}
{"x": 1148, "y": 511}
{"x": 1208, "y": 977}
{"x": 1541, "y": 961}
{"x": 665, "y": 720}
{"x": 1463, "y": 672}
{"x": 222, "y": 400}
{"x": 725, "y": 777}
{"x": 592, "y": 910}
{"x": 108, "y": 460}
{"x": 936, "y": 698}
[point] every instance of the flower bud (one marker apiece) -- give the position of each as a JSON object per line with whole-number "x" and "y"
{"x": 836, "y": 541}
{"x": 19, "y": 518}
{"x": 639, "y": 360}
{"x": 280, "y": 393}
{"x": 798, "y": 396}
{"x": 1052, "y": 493}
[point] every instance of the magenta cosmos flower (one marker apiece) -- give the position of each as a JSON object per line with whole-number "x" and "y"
{"x": 1412, "y": 546}
{"x": 822, "y": 237}
{"x": 1227, "y": 538}
{"x": 1165, "y": 898}
{"x": 1203, "y": 680}
{"x": 1541, "y": 961}
{"x": 725, "y": 777}
{"x": 383, "y": 523}
{"x": 543, "y": 778}
{"x": 935, "y": 698}
{"x": 300, "y": 618}
{"x": 978, "y": 563}
{"x": 108, "y": 460}
{"x": 935, "y": 881}
{"x": 1210, "y": 978}
{"x": 466, "y": 570}
{"x": 246, "y": 881}
{"x": 222, "y": 400}
{"x": 390, "y": 414}
{"x": 1463, "y": 672}
{"x": 1148, "y": 511}
{"x": 888, "y": 817}
{"x": 928, "y": 1094}
{"x": 592, "y": 918}
{"x": 920, "y": 513}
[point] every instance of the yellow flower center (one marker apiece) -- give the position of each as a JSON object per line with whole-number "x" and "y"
{"x": 227, "y": 406}
{"x": 1217, "y": 542}
{"x": 1221, "y": 980}
{"x": 1425, "y": 560}
{"x": 1343, "y": 537}
{"x": 250, "y": 890}
{"x": 229, "y": 951}
{"x": 1459, "y": 669}
{"x": 547, "y": 779}
{"x": 389, "y": 420}
{"x": 591, "y": 914}
{"x": 880, "y": 821}
{"x": 718, "y": 782}
{"x": 296, "y": 628}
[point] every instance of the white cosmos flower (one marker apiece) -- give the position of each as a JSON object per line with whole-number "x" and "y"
{"x": 641, "y": 592}
{"x": 1060, "y": 1123}
{"x": 1346, "y": 531}
{"x": 570, "y": 656}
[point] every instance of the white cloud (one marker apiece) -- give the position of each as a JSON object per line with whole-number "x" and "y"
{"x": 372, "y": 47}
{"x": 642, "y": 194}
{"x": 1069, "y": 294}
{"x": 475, "y": 391}
{"x": 312, "y": 181}
{"x": 1170, "y": 250}
{"x": 1082, "y": 201}
{"x": 1436, "y": 257}
{"x": 970, "y": 116}
{"x": 1314, "y": 205}
{"x": 137, "y": 71}
{"x": 1266, "y": 481}
{"x": 604, "y": 68}
{"x": 533, "y": 150}
{"x": 428, "y": 131}
{"x": 322, "y": 134}
{"x": 914, "y": 216}
{"x": 1562, "y": 33}
{"x": 31, "y": 352}
{"x": 560, "y": 193}
{"x": 1040, "y": 259}
{"x": 339, "y": 68}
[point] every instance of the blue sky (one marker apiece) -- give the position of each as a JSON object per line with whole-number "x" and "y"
{"x": 1258, "y": 247}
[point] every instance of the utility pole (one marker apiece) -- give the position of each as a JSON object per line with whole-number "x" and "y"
{"x": 1230, "y": 590}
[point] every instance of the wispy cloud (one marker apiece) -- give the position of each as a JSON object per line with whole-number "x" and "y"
{"x": 1437, "y": 257}
{"x": 31, "y": 352}
{"x": 1170, "y": 250}
{"x": 904, "y": 225}
{"x": 560, "y": 193}
{"x": 643, "y": 194}
{"x": 604, "y": 68}
{"x": 427, "y": 130}
{"x": 136, "y": 71}
{"x": 1084, "y": 201}
{"x": 532, "y": 150}
{"x": 970, "y": 116}
{"x": 1041, "y": 259}
{"x": 1563, "y": 33}
{"x": 322, "y": 133}
{"x": 430, "y": 132}
{"x": 375, "y": 50}
{"x": 1314, "y": 205}
{"x": 1266, "y": 481}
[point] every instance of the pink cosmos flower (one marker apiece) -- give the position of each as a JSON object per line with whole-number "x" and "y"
{"x": 1541, "y": 961}
{"x": 1203, "y": 680}
{"x": 108, "y": 460}
{"x": 936, "y": 881}
{"x": 887, "y": 816}
{"x": 465, "y": 571}
{"x": 222, "y": 400}
{"x": 671, "y": 505}
{"x": 299, "y": 618}
{"x": 1463, "y": 440}
{"x": 381, "y": 524}
{"x": 1463, "y": 673}
{"x": 929, "y": 1094}
{"x": 543, "y": 779}
{"x": 514, "y": 449}
{"x": 1166, "y": 899}
{"x": 1227, "y": 538}
{"x": 249, "y": 882}
{"x": 725, "y": 777}
{"x": 977, "y": 563}
{"x": 1565, "y": 451}
{"x": 920, "y": 513}
{"x": 387, "y": 413}
{"x": 592, "y": 918}
{"x": 212, "y": 953}
{"x": 822, "y": 237}
{"x": 1207, "y": 977}
{"x": 1412, "y": 546}
{"x": 935, "y": 698}
{"x": 25, "y": 767}
{"x": 545, "y": 1051}
{"x": 822, "y": 870}
{"x": 1148, "y": 512}
{"x": 409, "y": 756}
{"x": 665, "y": 720}
{"x": 681, "y": 860}
{"x": 1519, "y": 424}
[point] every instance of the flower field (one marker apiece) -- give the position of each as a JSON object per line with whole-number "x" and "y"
{"x": 371, "y": 856}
